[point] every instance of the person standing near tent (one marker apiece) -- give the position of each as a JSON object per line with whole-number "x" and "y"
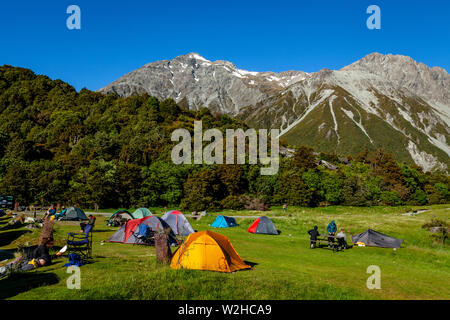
{"x": 331, "y": 229}
{"x": 314, "y": 233}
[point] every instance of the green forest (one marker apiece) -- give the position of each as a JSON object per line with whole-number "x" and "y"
{"x": 84, "y": 148}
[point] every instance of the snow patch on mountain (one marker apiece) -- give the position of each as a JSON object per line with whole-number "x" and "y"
{"x": 427, "y": 161}
{"x": 350, "y": 114}
{"x": 330, "y": 102}
{"x": 323, "y": 96}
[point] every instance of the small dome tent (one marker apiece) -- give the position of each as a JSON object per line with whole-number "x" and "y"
{"x": 178, "y": 222}
{"x": 207, "y": 250}
{"x": 117, "y": 217}
{"x": 74, "y": 214}
{"x": 263, "y": 225}
{"x": 224, "y": 222}
{"x": 141, "y": 213}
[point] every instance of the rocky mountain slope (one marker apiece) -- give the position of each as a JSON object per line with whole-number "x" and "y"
{"x": 379, "y": 101}
{"x": 195, "y": 82}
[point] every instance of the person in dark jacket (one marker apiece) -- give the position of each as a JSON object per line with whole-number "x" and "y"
{"x": 39, "y": 257}
{"x": 314, "y": 233}
{"x": 331, "y": 229}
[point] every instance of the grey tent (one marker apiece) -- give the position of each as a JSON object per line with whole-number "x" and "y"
{"x": 74, "y": 214}
{"x": 263, "y": 225}
{"x": 178, "y": 222}
{"x": 373, "y": 238}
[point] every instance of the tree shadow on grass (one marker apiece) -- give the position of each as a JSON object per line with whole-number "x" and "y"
{"x": 8, "y": 237}
{"x": 11, "y": 226}
{"x": 24, "y": 281}
{"x": 7, "y": 254}
{"x": 103, "y": 230}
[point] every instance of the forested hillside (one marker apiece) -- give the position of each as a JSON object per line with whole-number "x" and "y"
{"x": 86, "y": 148}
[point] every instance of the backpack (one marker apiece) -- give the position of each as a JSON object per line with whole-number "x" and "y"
{"x": 74, "y": 260}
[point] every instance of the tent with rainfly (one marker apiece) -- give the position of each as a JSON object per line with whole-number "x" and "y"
{"x": 207, "y": 250}
{"x": 224, "y": 222}
{"x": 116, "y": 218}
{"x": 74, "y": 214}
{"x": 128, "y": 232}
{"x": 178, "y": 222}
{"x": 263, "y": 225}
{"x": 374, "y": 238}
{"x": 141, "y": 213}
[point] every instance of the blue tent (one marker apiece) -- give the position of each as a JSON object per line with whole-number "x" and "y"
{"x": 224, "y": 222}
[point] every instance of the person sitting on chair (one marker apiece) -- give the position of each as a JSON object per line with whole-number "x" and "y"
{"x": 314, "y": 233}
{"x": 91, "y": 222}
{"x": 62, "y": 213}
{"x": 342, "y": 239}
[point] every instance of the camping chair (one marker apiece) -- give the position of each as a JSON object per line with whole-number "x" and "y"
{"x": 144, "y": 236}
{"x": 81, "y": 243}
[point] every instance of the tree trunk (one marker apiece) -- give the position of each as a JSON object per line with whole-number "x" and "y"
{"x": 163, "y": 252}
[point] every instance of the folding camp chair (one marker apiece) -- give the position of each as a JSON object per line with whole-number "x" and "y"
{"x": 144, "y": 235}
{"x": 81, "y": 243}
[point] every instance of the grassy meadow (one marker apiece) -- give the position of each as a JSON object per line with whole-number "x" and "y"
{"x": 284, "y": 267}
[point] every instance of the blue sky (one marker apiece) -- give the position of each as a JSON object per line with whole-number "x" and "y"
{"x": 117, "y": 37}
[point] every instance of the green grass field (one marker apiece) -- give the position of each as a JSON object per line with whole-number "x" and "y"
{"x": 284, "y": 266}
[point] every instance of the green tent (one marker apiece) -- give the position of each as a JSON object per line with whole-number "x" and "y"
{"x": 74, "y": 214}
{"x": 116, "y": 218}
{"x": 141, "y": 213}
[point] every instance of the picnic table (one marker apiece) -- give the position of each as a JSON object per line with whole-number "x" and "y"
{"x": 324, "y": 239}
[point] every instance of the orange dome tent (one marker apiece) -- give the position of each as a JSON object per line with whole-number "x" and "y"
{"x": 207, "y": 250}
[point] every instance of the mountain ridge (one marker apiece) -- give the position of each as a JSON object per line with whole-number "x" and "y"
{"x": 332, "y": 110}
